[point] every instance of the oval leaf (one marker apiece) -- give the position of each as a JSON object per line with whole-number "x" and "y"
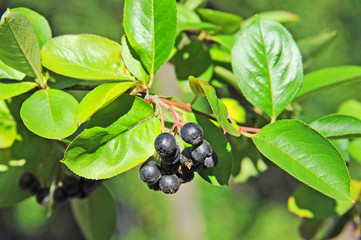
{"x": 218, "y": 107}
{"x": 96, "y": 215}
{"x": 7, "y": 126}
{"x": 19, "y": 47}
{"x": 351, "y": 107}
{"x": 7, "y": 72}
{"x": 99, "y": 98}
{"x": 118, "y": 137}
{"x": 277, "y": 16}
{"x": 336, "y": 125}
{"x": 267, "y": 65}
{"x": 228, "y": 22}
{"x": 84, "y": 56}
{"x": 50, "y": 113}
{"x": 306, "y": 155}
{"x": 150, "y": 26}
{"x": 326, "y": 78}
{"x": 9, "y": 90}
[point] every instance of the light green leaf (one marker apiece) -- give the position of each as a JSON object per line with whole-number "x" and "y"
{"x": 208, "y": 28}
{"x": 7, "y": 72}
{"x": 150, "y": 26}
{"x": 226, "y": 41}
{"x": 96, "y": 215}
{"x": 277, "y": 16}
{"x": 328, "y": 77}
{"x": 99, "y": 98}
{"x": 228, "y": 22}
{"x": 132, "y": 63}
{"x": 235, "y": 109}
{"x": 19, "y": 47}
{"x": 338, "y": 126}
{"x": 84, "y": 56}
{"x": 220, "y": 54}
{"x": 267, "y": 65}
{"x": 7, "y": 127}
{"x": 193, "y": 4}
{"x": 118, "y": 137}
{"x": 186, "y": 15}
{"x": 218, "y": 107}
{"x": 354, "y": 149}
{"x": 350, "y": 107}
{"x": 342, "y": 146}
{"x": 306, "y": 155}
{"x": 50, "y": 113}
{"x": 9, "y": 90}
{"x": 40, "y": 24}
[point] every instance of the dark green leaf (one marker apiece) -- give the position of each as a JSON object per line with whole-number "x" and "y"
{"x": 267, "y": 65}
{"x": 96, "y": 215}
{"x": 10, "y": 73}
{"x": 84, "y": 56}
{"x": 19, "y": 47}
{"x": 118, "y": 137}
{"x": 150, "y": 26}
{"x": 40, "y": 24}
{"x": 60, "y": 82}
{"x": 304, "y": 153}
{"x": 326, "y": 78}
{"x": 218, "y": 107}
{"x": 7, "y": 126}
{"x": 228, "y": 22}
{"x": 50, "y": 113}
{"x": 338, "y": 126}
{"x": 277, "y": 16}
{"x": 99, "y": 98}
{"x": 9, "y": 90}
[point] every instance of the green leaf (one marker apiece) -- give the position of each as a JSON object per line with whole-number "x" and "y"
{"x": 228, "y": 22}
{"x": 338, "y": 126}
{"x": 306, "y": 155}
{"x": 235, "y": 109}
{"x": 50, "y": 113}
{"x": 313, "y": 46}
{"x": 308, "y": 203}
{"x": 186, "y": 15}
{"x": 132, "y": 63}
{"x": 84, "y": 56}
{"x": 328, "y": 77}
{"x": 118, "y": 137}
{"x": 9, "y": 90}
{"x": 7, "y": 126}
{"x": 350, "y": 107}
{"x": 96, "y": 215}
{"x": 220, "y": 54}
{"x": 354, "y": 149}
{"x": 40, "y": 24}
{"x": 60, "y": 82}
{"x": 218, "y": 108}
{"x": 227, "y": 41}
{"x": 10, "y": 73}
{"x": 220, "y": 174}
{"x": 342, "y": 146}
{"x": 19, "y": 46}
{"x": 193, "y": 4}
{"x": 267, "y": 65}
{"x": 99, "y": 98}
{"x": 150, "y": 26}
{"x": 208, "y": 28}
{"x": 277, "y": 16}
{"x": 193, "y": 59}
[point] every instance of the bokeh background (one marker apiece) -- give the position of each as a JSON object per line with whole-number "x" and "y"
{"x": 252, "y": 209}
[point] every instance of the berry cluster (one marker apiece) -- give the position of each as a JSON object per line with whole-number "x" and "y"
{"x": 69, "y": 187}
{"x": 178, "y": 167}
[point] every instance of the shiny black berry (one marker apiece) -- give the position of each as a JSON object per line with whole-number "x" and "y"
{"x": 201, "y": 152}
{"x": 71, "y": 185}
{"x": 169, "y": 184}
{"x": 60, "y": 195}
{"x": 169, "y": 169}
{"x": 186, "y": 158}
{"x": 28, "y": 182}
{"x": 192, "y": 133}
{"x": 211, "y": 161}
{"x": 174, "y": 158}
{"x": 165, "y": 145}
{"x": 42, "y": 196}
{"x": 150, "y": 173}
{"x": 154, "y": 186}
{"x": 186, "y": 177}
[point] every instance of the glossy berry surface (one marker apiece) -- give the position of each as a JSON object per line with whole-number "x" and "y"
{"x": 192, "y": 133}
{"x": 169, "y": 169}
{"x": 165, "y": 145}
{"x": 169, "y": 184}
{"x": 186, "y": 177}
{"x": 150, "y": 173}
{"x": 154, "y": 186}
{"x": 28, "y": 182}
{"x": 211, "y": 161}
{"x": 42, "y": 196}
{"x": 59, "y": 195}
{"x": 201, "y": 152}
{"x": 174, "y": 158}
{"x": 71, "y": 185}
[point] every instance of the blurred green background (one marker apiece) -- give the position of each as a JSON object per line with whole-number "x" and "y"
{"x": 252, "y": 210}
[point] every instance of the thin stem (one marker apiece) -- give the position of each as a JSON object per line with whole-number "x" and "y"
{"x": 185, "y": 106}
{"x": 175, "y": 116}
{"x": 248, "y": 129}
{"x": 172, "y": 128}
{"x": 194, "y": 100}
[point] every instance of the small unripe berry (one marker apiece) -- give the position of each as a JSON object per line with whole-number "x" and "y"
{"x": 169, "y": 184}
{"x": 192, "y": 133}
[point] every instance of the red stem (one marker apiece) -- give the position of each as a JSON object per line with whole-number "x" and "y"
{"x": 249, "y": 129}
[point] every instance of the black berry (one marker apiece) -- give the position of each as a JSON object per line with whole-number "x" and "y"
{"x": 87, "y": 186}
{"x": 71, "y": 185}
{"x": 211, "y": 161}
{"x": 169, "y": 184}
{"x": 197, "y": 167}
{"x": 150, "y": 173}
{"x": 201, "y": 152}
{"x": 60, "y": 195}
{"x": 186, "y": 158}
{"x": 169, "y": 169}
{"x": 186, "y": 177}
{"x": 174, "y": 158}
{"x": 154, "y": 186}
{"x": 42, "y": 196}
{"x": 28, "y": 182}
{"x": 192, "y": 133}
{"x": 165, "y": 145}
